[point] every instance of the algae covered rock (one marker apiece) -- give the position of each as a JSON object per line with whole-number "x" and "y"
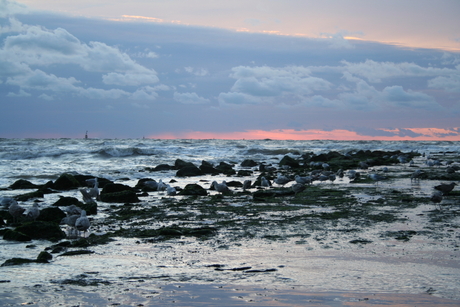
{"x": 12, "y": 235}
{"x": 66, "y": 182}
{"x": 42, "y": 230}
{"x": 193, "y": 189}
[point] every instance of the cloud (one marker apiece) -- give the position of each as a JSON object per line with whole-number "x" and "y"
{"x": 450, "y": 84}
{"x": 21, "y": 93}
{"x": 190, "y": 98}
{"x": 199, "y": 72}
{"x": 38, "y": 46}
{"x": 9, "y": 8}
{"x": 270, "y": 82}
{"x": 376, "y": 71}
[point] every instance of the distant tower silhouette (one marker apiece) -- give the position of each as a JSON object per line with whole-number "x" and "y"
{"x": 86, "y": 135}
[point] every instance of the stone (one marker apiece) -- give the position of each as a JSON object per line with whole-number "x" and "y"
{"x": 23, "y": 184}
{"x": 66, "y": 182}
{"x": 12, "y": 235}
{"x": 248, "y": 163}
{"x": 193, "y": 189}
{"x": 51, "y": 214}
{"x": 42, "y": 230}
{"x": 44, "y": 257}
{"x": 127, "y": 196}
{"x": 289, "y": 161}
{"x": 189, "y": 171}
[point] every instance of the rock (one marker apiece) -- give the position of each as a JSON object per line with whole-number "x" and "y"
{"x": 23, "y": 184}
{"x": 289, "y": 161}
{"x": 243, "y": 173}
{"x": 189, "y": 171}
{"x": 42, "y": 230}
{"x": 51, "y": 214}
{"x": 90, "y": 208}
{"x": 178, "y": 164}
{"x": 66, "y": 182}
{"x": 193, "y": 189}
{"x": 127, "y": 196}
{"x": 115, "y": 187}
{"x": 248, "y": 163}
{"x": 163, "y": 167}
{"x": 65, "y": 201}
{"x": 226, "y": 169}
{"x": 27, "y": 196}
{"x": 17, "y": 261}
{"x": 44, "y": 257}
{"x": 208, "y": 168}
{"x": 12, "y": 235}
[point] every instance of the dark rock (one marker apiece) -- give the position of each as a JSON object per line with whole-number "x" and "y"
{"x": 243, "y": 173}
{"x": 90, "y": 208}
{"x": 115, "y": 187}
{"x": 42, "y": 230}
{"x": 189, "y": 171}
{"x": 163, "y": 167}
{"x": 178, "y": 164}
{"x": 51, "y": 214}
{"x": 12, "y": 235}
{"x": 77, "y": 252}
{"x": 226, "y": 169}
{"x": 289, "y": 161}
{"x": 66, "y": 182}
{"x": 118, "y": 193}
{"x": 248, "y": 163}
{"x": 17, "y": 261}
{"x": 23, "y": 184}
{"x": 193, "y": 189}
{"x": 65, "y": 201}
{"x": 208, "y": 168}
{"x": 27, "y": 196}
{"x": 102, "y": 182}
{"x": 235, "y": 184}
{"x": 44, "y": 257}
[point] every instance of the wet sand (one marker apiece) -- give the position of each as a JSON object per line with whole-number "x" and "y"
{"x": 408, "y": 255}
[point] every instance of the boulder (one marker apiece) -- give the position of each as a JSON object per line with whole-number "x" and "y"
{"x": 189, "y": 171}
{"x": 178, "y": 164}
{"x": 66, "y": 182}
{"x": 226, "y": 169}
{"x": 248, "y": 163}
{"x": 193, "y": 189}
{"x": 208, "y": 168}
{"x": 23, "y": 184}
{"x": 289, "y": 161}
{"x": 42, "y": 230}
{"x": 51, "y": 214}
{"x": 12, "y": 235}
{"x": 126, "y": 196}
{"x": 65, "y": 201}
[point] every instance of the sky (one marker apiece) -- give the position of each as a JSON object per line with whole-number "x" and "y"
{"x": 292, "y": 69}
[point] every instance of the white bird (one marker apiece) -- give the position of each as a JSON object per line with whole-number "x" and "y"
{"x": 94, "y": 191}
{"x": 73, "y": 210}
{"x": 377, "y": 177}
{"x": 161, "y": 186}
{"x": 170, "y": 191}
{"x": 221, "y": 187}
{"x": 297, "y": 188}
{"x": 16, "y": 211}
{"x": 303, "y": 180}
{"x": 6, "y": 202}
{"x": 82, "y": 223}
{"x": 87, "y": 199}
{"x": 264, "y": 182}
{"x": 246, "y": 185}
{"x": 417, "y": 174}
{"x": 70, "y": 221}
{"x": 33, "y": 212}
{"x": 436, "y": 198}
{"x": 282, "y": 180}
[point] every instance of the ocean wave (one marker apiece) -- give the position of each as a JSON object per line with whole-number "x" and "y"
{"x": 272, "y": 152}
{"x": 126, "y": 151}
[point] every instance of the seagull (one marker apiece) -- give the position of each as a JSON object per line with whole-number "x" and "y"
{"x": 161, "y": 186}
{"x": 445, "y": 188}
{"x": 82, "y": 223}
{"x": 170, "y": 191}
{"x": 436, "y": 197}
{"x": 72, "y": 210}
{"x": 151, "y": 184}
{"x": 246, "y": 185}
{"x": 34, "y": 212}
{"x": 70, "y": 221}
{"x": 416, "y": 175}
{"x": 264, "y": 182}
{"x": 94, "y": 191}
{"x": 87, "y": 199}
{"x": 377, "y": 177}
{"x": 352, "y": 174}
{"x": 6, "y": 202}
{"x": 16, "y": 211}
{"x": 282, "y": 180}
{"x": 221, "y": 187}
{"x": 303, "y": 180}
{"x": 297, "y": 188}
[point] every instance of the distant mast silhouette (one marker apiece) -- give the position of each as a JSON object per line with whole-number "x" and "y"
{"x": 86, "y": 135}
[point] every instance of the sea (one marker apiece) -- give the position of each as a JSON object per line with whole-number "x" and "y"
{"x": 424, "y": 271}
{"x": 41, "y": 160}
